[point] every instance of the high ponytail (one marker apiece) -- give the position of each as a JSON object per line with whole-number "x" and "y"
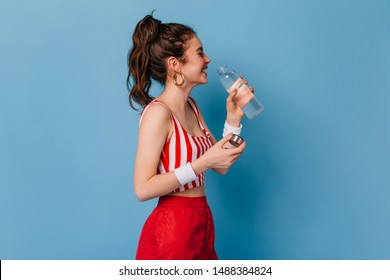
{"x": 153, "y": 43}
{"x": 138, "y": 61}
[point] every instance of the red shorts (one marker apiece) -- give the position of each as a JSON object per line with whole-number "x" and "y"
{"x": 179, "y": 228}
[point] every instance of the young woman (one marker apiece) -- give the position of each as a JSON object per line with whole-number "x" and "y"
{"x": 175, "y": 146}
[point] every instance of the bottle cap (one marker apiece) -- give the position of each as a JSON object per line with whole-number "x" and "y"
{"x": 236, "y": 140}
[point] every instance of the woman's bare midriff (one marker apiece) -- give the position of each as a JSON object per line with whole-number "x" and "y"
{"x": 195, "y": 192}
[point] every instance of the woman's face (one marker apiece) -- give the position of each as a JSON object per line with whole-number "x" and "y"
{"x": 195, "y": 66}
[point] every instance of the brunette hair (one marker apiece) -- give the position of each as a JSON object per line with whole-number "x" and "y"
{"x": 153, "y": 43}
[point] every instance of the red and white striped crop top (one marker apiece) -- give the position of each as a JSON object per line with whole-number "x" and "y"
{"x": 182, "y": 147}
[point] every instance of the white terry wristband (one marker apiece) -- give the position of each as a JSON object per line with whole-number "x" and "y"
{"x": 227, "y": 129}
{"x": 185, "y": 174}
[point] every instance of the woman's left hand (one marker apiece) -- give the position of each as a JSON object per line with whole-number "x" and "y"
{"x": 234, "y": 112}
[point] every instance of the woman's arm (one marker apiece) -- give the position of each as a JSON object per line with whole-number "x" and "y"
{"x": 154, "y": 130}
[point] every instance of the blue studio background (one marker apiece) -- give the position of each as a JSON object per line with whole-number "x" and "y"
{"x": 313, "y": 182}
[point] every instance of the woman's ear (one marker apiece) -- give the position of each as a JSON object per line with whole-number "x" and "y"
{"x": 173, "y": 64}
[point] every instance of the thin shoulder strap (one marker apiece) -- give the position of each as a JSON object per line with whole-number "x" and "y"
{"x": 194, "y": 108}
{"x": 155, "y": 101}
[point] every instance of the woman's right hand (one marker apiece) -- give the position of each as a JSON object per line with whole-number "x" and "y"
{"x": 218, "y": 158}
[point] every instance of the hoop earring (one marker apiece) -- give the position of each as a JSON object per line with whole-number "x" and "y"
{"x": 174, "y": 78}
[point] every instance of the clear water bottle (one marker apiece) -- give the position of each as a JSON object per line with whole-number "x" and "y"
{"x": 245, "y": 98}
